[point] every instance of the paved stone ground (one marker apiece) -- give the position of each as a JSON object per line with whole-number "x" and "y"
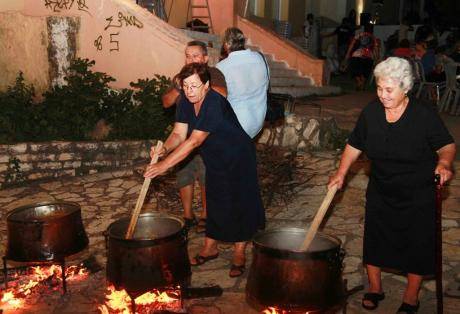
{"x": 107, "y": 197}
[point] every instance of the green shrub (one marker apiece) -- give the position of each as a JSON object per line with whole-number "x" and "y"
{"x": 70, "y": 112}
{"x": 18, "y": 114}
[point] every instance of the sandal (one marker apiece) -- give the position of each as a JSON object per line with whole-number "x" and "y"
{"x": 201, "y": 226}
{"x": 374, "y": 298}
{"x": 237, "y": 270}
{"x": 408, "y": 308}
{"x": 200, "y": 259}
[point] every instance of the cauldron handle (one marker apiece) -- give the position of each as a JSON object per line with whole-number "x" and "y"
{"x": 143, "y": 193}
{"x": 318, "y": 218}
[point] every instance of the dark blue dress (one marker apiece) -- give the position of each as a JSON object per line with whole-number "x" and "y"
{"x": 399, "y": 230}
{"x": 234, "y": 206}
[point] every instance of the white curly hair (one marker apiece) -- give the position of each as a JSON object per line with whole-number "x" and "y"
{"x": 398, "y": 69}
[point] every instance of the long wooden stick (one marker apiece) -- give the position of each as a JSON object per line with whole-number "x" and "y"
{"x": 143, "y": 193}
{"x": 318, "y": 218}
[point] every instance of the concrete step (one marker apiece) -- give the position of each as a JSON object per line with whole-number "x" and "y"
{"x": 286, "y": 72}
{"x": 276, "y": 64}
{"x": 307, "y": 90}
{"x": 202, "y": 36}
{"x": 290, "y": 81}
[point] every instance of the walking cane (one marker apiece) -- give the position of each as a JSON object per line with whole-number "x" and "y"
{"x": 439, "y": 293}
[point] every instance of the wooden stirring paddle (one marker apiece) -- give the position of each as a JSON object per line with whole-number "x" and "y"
{"x": 143, "y": 193}
{"x": 318, "y": 218}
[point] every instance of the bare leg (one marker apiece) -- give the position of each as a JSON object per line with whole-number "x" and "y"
{"x": 209, "y": 248}
{"x": 239, "y": 259}
{"x": 375, "y": 281}
{"x": 203, "y": 201}
{"x": 186, "y": 196}
{"x": 413, "y": 286}
{"x": 239, "y": 255}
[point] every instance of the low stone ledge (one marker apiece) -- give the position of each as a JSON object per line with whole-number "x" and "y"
{"x": 39, "y": 161}
{"x": 304, "y": 133}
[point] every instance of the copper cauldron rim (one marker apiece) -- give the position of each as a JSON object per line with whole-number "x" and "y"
{"x": 146, "y": 240}
{"x": 15, "y": 211}
{"x": 292, "y": 230}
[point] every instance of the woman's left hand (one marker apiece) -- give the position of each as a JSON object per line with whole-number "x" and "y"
{"x": 444, "y": 172}
{"x": 156, "y": 169}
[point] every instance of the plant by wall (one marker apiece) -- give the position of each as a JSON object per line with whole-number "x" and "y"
{"x": 18, "y": 114}
{"x": 71, "y": 111}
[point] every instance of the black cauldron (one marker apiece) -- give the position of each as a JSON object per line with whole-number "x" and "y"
{"x": 156, "y": 256}
{"x": 283, "y": 277}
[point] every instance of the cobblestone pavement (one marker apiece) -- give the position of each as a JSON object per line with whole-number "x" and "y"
{"x": 107, "y": 197}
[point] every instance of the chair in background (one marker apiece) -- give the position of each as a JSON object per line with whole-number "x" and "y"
{"x": 423, "y": 85}
{"x": 451, "y": 96}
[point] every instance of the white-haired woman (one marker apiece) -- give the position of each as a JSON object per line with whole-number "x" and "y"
{"x": 407, "y": 144}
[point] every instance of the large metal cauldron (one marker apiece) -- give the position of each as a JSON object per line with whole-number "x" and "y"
{"x": 156, "y": 256}
{"x": 283, "y": 277}
{"x": 45, "y": 232}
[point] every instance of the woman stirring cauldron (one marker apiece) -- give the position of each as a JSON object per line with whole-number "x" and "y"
{"x": 206, "y": 120}
{"x": 407, "y": 144}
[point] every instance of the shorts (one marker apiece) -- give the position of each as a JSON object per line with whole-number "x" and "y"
{"x": 190, "y": 170}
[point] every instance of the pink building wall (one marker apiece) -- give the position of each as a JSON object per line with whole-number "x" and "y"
{"x": 283, "y": 51}
{"x": 126, "y": 41}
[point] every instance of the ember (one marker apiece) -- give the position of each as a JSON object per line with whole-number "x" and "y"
{"x": 22, "y": 286}
{"x": 272, "y": 310}
{"x": 119, "y": 302}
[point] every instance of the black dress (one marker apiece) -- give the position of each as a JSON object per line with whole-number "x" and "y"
{"x": 234, "y": 206}
{"x": 399, "y": 231}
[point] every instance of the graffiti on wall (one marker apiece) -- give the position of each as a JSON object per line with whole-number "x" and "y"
{"x": 61, "y": 5}
{"x": 113, "y": 28}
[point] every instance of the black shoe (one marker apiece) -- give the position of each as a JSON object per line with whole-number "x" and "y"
{"x": 373, "y": 298}
{"x": 408, "y": 308}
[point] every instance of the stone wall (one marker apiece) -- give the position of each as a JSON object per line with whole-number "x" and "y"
{"x": 33, "y": 161}
{"x": 305, "y": 133}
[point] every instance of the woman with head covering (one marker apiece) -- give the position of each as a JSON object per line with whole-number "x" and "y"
{"x": 407, "y": 144}
{"x": 205, "y": 120}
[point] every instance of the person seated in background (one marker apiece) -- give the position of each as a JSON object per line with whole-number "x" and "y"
{"x": 404, "y": 50}
{"x": 456, "y": 53}
{"x": 192, "y": 169}
{"x": 426, "y": 56}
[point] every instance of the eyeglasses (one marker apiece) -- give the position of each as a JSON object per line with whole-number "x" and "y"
{"x": 191, "y": 87}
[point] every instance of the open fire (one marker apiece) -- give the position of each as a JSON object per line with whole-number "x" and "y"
{"x": 23, "y": 284}
{"x": 119, "y": 302}
{"x": 275, "y": 310}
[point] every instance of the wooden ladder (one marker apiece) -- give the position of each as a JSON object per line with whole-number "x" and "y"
{"x": 203, "y": 4}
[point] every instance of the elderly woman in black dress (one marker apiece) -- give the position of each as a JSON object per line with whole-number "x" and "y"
{"x": 205, "y": 120}
{"x": 407, "y": 144}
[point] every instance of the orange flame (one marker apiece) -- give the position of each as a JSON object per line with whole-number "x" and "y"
{"x": 273, "y": 310}
{"x": 120, "y": 302}
{"x": 15, "y": 297}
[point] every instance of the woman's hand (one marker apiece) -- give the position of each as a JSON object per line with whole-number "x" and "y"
{"x": 446, "y": 156}
{"x": 444, "y": 172}
{"x": 336, "y": 179}
{"x": 162, "y": 153}
{"x": 154, "y": 170}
